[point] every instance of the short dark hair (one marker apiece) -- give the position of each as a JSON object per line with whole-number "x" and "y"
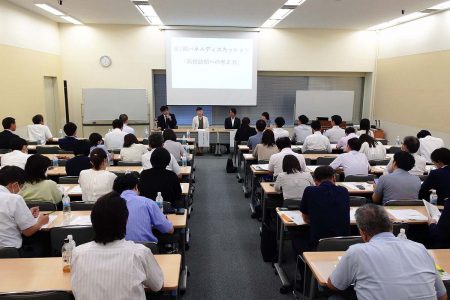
{"x": 291, "y": 164}
{"x": 169, "y": 135}
{"x": 423, "y": 133}
{"x": 323, "y": 173}
{"x": 283, "y": 142}
{"x": 123, "y": 117}
{"x": 94, "y": 138}
{"x": 354, "y": 144}
{"x": 199, "y": 108}
{"x": 129, "y": 140}
{"x": 268, "y": 138}
{"x": 266, "y": 115}
{"x": 125, "y": 182}
{"x": 441, "y": 155}
{"x": 11, "y": 174}
{"x": 18, "y": 143}
{"x": 37, "y": 119}
{"x": 8, "y": 122}
{"x": 82, "y": 147}
{"x": 349, "y": 130}
{"x": 109, "y": 218}
{"x": 365, "y": 138}
{"x": 364, "y": 124}
{"x": 155, "y": 140}
{"x": 336, "y": 119}
{"x": 316, "y": 125}
{"x": 373, "y": 219}
{"x": 411, "y": 143}
{"x": 279, "y": 121}
{"x": 160, "y": 158}
{"x": 163, "y": 108}
{"x": 98, "y": 156}
{"x": 245, "y": 122}
{"x": 303, "y": 119}
{"x": 36, "y": 167}
{"x": 233, "y": 110}
{"x": 117, "y": 123}
{"x": 261, "y": 125}
{"x": 404, "y": 160}
{"x": 70, "y": 128}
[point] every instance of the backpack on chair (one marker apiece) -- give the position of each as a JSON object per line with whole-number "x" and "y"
{"x": 230, "y": 166}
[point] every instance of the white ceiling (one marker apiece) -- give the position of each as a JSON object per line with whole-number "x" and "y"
{"x": 339, "y": 14}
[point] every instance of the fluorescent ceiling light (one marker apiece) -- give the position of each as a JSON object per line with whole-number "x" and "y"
{"x": 270, "y": 23}
{"x": 154, "y": 20}
{"x": 50, "y": 9}
{"x": 442, "y": 6}
{"x": 398, "y": 21}
{"x": 71, "y": 20}
{"x": 148, "y": 12}
{"x": 294, "y": 2}
{"x": 281, "y": 14}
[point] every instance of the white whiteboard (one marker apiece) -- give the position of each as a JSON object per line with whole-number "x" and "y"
{"x": 108, "y": 104}
{"x": 325, "y": 104}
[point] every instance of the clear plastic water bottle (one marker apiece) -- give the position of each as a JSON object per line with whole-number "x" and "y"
{"x": 433, "y": 197}
{"x": 67, "y": 249}
{"x": 159, "y": 201}
{"x": 183, "y": 140}
{"x": 55, "y": 161}
{"x": 61, "y": 133}
{"x": 67, "y": 211}
{"x": 146, "y": 133}
{"x": 397, "y": 140}
{"x": 188, "y": 134}
{"x": 402, "y": 234}
{"x": 184, "y": 160}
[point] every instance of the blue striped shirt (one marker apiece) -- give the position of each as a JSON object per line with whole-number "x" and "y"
{"x": 144, "y": 216}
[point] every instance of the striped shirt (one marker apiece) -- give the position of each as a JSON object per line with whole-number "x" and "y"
{"x": 118, "y": 270}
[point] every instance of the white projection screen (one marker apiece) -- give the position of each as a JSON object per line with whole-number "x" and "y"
{"x": 211, "y": 67}
{"x": 325, "y": 104}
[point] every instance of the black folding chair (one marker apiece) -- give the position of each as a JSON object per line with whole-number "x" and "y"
{"x": 9, "y": 252}
{"x": 50, "y": 295}
{"x": 80, "y": 234}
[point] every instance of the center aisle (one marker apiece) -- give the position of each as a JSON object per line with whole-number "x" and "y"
{"x": 224, "y": 259}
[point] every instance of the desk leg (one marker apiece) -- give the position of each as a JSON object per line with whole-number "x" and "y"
{"x": 252, "y": 197}
{"x": 239, "y": 165}
{"x": 184, "y": 267}
{"x": 263, "y": 205}
{"x": 279, "y": 269}
{"x": 245, "y": 180}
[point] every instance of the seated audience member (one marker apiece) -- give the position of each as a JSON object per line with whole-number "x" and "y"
{"x": 440, "y": 230}
{"x": 256, "y": 139}
{"x": 156, "y": 141}
{"x": 370, "y": 147}
{"x": 16, "y": 219}
{"x": 199, "y": 121}
{"x": 126, "y": 128}
{"x": 353, "y": 162}
{"x": 81, "y": 160}
{"x": 19, "y": 156}
{"x": 438, "y": 179}
{"x": 428, "y": 144}
{"x": 316, "y": 141}
{"x": 166, "y": 120}
{"x": 293, "y": 181}
{"x": 114, "y": 139}
{"x": 232, "y": 122}
{"x": 132, "y": 151}
{"x": 364, "y": 128}
{"x": 244, "y": 132}
{"x": 398, "y": 185}
{"x": 302, "y": 130}
{"x": 335, "y": 133}
{"x": 276, "y": 160}
{"x": 411, "y": 144}
{"x": 350, "y": 133}
{"x": 37, "y": 187}
{"x": 6, "y": 136}
{"x": 278, "y": 130}
{"x": 266, "y": 118}
{"x": 96, "y": 141}
{"x": 267, "y": 147}
{"x": 68, "y": 142}
{"x": 382, "y": 267}
{"x": 159, "y": 179}
{"x": 111, "y": 267}
{"x": 38, "y": 131}
{"x": 172, "y": 145}
{"x": 97, "y": 181}
{"x": 144, "y": 214}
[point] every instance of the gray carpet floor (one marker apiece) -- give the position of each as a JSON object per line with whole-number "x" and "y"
{"x": 224, "y": 259}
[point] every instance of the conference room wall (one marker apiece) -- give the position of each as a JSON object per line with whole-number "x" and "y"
{"x": 29, "y": 50}
{"x": 412, "y": 90}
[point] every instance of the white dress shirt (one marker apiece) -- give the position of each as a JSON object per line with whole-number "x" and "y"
{"x": 301, "y": 132}
{"x": 195, "y": 123}
{"x": 276, "y": 161}
{"x": 95, "y": 184}
{"x": 343, "y": 141}
{"x": 127, "y": 129}
{"x": 280, "y": 132}
{"x": 39, "y": 132}
{"x": 334, "y": 134}
{"x": 15, "y": 217}
{"x": 114, "y": 139}
{"x": 172, "y": 166}
{"x": 175, "y": 148}
{"x": 317, "y": 142}
{"x": 133, "y": 153}
{"x": 15, "y": 158}
{"x": 428, "y": 144}
{"x": 118, "y": 270}
{"x": 373, "y": 153}
{"x": 353, "y": 163}
{"x": 418, "y": 169}
{"x": 293, "y": 185}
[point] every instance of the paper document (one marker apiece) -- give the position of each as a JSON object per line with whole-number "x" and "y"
{"x": 352, "y": 214}
{"x": 203, "y": 138}
{"x": 353, "y": 186}
{"x": 51, "y": 218}
{"x": 248, "y": 156}
{"x": 432, "y": 210}
{"x": 76, "y": 190}
{"x": 407, "y": 214}
{"x": 262, "y": 167}
{"x": 80, "y": 221}
{"x": 311, "y": 169}
{"x": 294, "y": 216}
{"x": 442, "y": 273}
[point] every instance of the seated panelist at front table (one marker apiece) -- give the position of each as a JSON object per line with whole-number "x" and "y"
{"x": 166, "y": 120}
{"x": 200, "y": 121}
{"x": 232, "y": 122}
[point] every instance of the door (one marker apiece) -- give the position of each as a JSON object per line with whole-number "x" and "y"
{"x": 51, "y": 117}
